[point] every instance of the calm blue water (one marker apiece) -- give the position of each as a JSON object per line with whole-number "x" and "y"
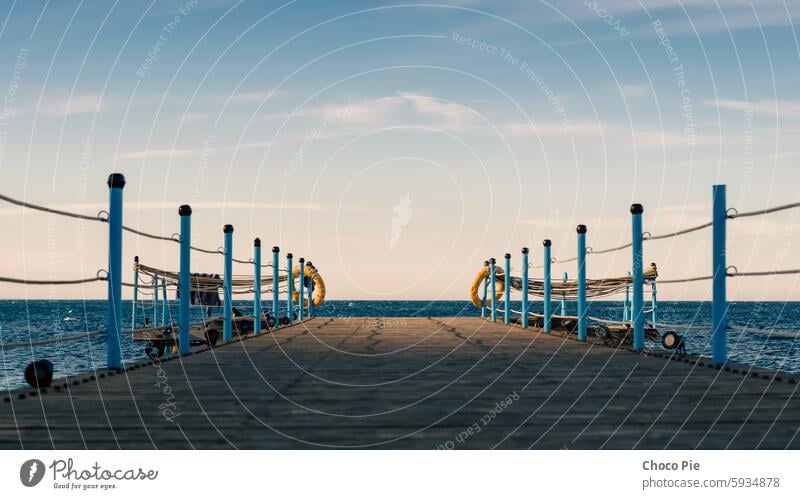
{"x": 770, "y": 341}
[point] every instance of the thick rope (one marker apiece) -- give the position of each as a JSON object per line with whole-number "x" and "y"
{"x": 22, "y": 344}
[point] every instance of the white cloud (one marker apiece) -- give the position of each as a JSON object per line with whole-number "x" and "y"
{"x": 60, "y": 106}
{"x": 765, "y": 106}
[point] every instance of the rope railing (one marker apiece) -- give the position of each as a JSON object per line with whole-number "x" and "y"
{"x": 732, "y": 213}
{"x": 104, "y": 219}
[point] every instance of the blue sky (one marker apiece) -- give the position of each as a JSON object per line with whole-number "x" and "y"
{"x": 398, "y": 145}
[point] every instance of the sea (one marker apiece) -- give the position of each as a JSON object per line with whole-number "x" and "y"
{"x": 762, "y": 334}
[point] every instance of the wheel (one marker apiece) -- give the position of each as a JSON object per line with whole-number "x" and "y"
{"x": 284, "y": 321}
{"x": 154, "y": 349}
{"x": 270, "y": 321}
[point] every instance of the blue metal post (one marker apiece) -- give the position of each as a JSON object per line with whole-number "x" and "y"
{"x": 493, "y": 286}
{"x": 485, "y": 291}
{"x": 184, "y": 280}
{"x": 637, "y": 314}
{"x": 165, "y": 302}
{"x": 310, "y": 291}
{"x": 257, "y": 312}
{"x": 524, "y": 287}
{"x": 301, "y": 292}
{"x": 135, "y": 291}
{"x": 227, "y": 286}
{"x": 275, "y": 284}
{"x": 507, "y": 293}
{"x": 626, "y": 303}
{"x": 564, "y": 295}
{"x": 581, "y": 282}
{"x": 289, "y": 289}
{"x": 719, "y": 306}
{"x": 155, "y": 300}
{"x": 116, "y": 182}
{"x": 653, "y": 300}
{"x": 548, "y": 313}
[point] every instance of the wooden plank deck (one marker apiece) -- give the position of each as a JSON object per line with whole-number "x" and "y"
{"x": 410, "y": 383}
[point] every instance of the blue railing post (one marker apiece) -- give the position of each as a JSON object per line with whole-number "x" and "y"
{"x": 275, "y": 284}
{"x": 227, "y": 311}
{"x": 525, "y": 287}
{"x": 116, "y": 182}
{"x": 165, "y": 309}
{"x": 719, "y": 305}
{"x": 289, "y": 288}
{"x": 485, "y": 291}
{"x": 184, "y": 280}
{"x": 653, "y": 300}
{"x": 637, "y": 314}
{"x": 301, "y": 292}
{"x": 257, "y": 313}
{"x": 626, "y": 303}
{"x": 564, "y": 279}
{"x": 135, "y": 291}
{"x": 581, "y": 282}
{"x": 310, "y": 291}
{"x": 493, "y": 286}
{"x": 155, "y": 300}
{"x": 548, "y": 313}
{"x": 507, "y": 291}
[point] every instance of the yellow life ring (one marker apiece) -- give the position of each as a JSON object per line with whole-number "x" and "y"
{"x": 319, "y": 284}
{"x": 477, "y": 283}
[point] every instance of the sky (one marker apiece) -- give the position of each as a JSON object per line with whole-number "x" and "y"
{"x": 397, "y": 145}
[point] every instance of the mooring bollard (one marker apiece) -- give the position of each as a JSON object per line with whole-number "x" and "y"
{"x": 524, "y": 287}
{"x": 184, "y": 280}
{"x": 257, "y": 313}
{"x": 116, "y": 182}
{"x": 719, "y": 305}
{"x": 493, "y": 286}
{"x": 289, "y": 289}
{"x": 227, "y": 312}
{"x": 507, "y": 290}
{"x": 581, "y": 282}
{"x": 275, "y": 284}
{"x": 301, "y": 292}
{"x": 638, "y": 277}
{"x": 548, "y": 313}
{"x": 135, "y": 291}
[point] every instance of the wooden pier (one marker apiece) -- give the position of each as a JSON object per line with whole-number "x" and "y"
{"x": 410, "y": 383}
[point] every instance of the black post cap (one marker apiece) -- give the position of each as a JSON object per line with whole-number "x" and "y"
{"x": 116, "y": 181}
{"x": 257, "y": 242}
{"x": 547, "y": 243}
{"x": 185, "y": 210}
{"x": 302, "y": 260}
{"x": 525, "y": 251}
{"x": 581, "y": 229}
{"x": 508, "y": 256}
{"x": 492, "y": 260}
{"x": 275, "y": 249}
{"x": 486, "y": 263}
{"x": 289, "y": 255}
{"x": 227, "y": 229}
{"x": 637, "y": 209}
{"x": 136, "y": 259}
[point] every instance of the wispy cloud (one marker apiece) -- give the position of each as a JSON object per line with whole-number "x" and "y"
{"x": 778, "y": 108}
{"x": 60, "y": 106}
